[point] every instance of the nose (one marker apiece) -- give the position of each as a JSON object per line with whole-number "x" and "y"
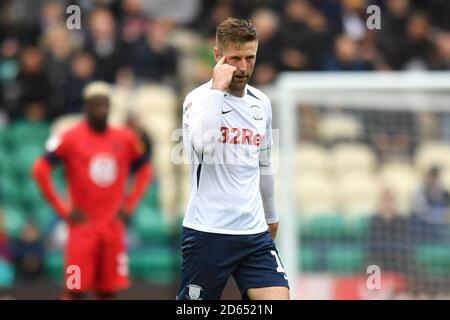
{"x": 242, "y": 65}
{"x": 101, "y": 109}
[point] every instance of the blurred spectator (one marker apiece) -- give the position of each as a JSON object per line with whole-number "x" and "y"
{"x": 431, "y": 202}
{"x": 440, "y": 11}
{"x": 266, "y": 23}
{"x": 20, "y": 18}
{"x": 320, "y": 39}
{"x": 295, "y": 34}
{"x": 35, "y": 111}
{"x": 125, "y": 79}
{"x": 212, "y": 15}
{"x": 388, "y": 238}
{"x": 353, "y": 18}
{"x": 392, "y": 34}
{"x": 154, "y": 59}
{"x": 9, "y": 69}
{"x": 347, "y": 56}
{"x": 59, "y": 45}
{"x": 9, "y": 54}
{"x": 104, "y": 44}
{"x": 373, "y": 57}
{"x": 32, "y": 81}
{"x": 441, "y": 55}
{"x": 28, "y": 252}
{"x": 417, "y": 49}
{"x": 134, "y": 22}
{"x": 306, "y": 37}
{"x": 82, "y": 69}
{"x": 430, "y": 207}
{"x": 52, "y": 15}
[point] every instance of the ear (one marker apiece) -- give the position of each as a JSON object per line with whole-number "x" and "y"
{"x": 217, "y": 54}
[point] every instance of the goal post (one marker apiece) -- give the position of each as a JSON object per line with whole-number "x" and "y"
{"x": 410, "y": 91}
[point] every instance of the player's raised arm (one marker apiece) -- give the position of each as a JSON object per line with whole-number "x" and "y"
{"x": 204, "y": 117}
{"x": 222, "y": 75}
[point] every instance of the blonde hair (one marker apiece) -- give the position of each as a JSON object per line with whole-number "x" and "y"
{"x": 235, "y": 31}
{"x": 96, "y": 88}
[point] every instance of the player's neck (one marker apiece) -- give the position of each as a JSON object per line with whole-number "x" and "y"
{"x": 237, "y": 93}
{"x": 97, "y": 128}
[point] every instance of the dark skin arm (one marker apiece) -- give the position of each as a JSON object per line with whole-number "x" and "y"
{"x": 76, "y": 217}
{"x": 123, "y": 216}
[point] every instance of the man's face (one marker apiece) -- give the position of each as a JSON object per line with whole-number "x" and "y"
{"x": 243, "y": 58}
{"x": 97, "y": 109}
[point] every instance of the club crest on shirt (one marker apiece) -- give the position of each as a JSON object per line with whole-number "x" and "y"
{"x": 103, "y": 169}
{"x": 194, "y": 292}
{"x": 256, "y": 112}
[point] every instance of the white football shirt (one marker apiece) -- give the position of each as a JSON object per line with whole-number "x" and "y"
{"x": 225, "y": 196}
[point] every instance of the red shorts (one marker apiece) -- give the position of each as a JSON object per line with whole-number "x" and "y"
{"x": 96, "y": 258}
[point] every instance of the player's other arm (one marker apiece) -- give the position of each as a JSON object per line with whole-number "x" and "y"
{"x": 203, "y": 118}
{"x": 56, "y": 150}
{"x": 267, "y": 181}
{"x": 267, "y": 190}
{"x": 41, "y": 172}
{"x": 143, "y": 173}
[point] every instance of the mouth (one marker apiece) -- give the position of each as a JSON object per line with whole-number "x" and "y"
{"x": 239, "y": 77}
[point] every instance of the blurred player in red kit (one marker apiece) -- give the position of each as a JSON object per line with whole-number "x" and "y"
{"x": 97, "y": 160}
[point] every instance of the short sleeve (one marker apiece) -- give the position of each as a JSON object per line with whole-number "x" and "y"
{"x": 57, "y": 148}
{"x": 136, "y": 147}
{"x": 138, "y": 150}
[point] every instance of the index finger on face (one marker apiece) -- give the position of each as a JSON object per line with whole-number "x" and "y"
{"x": 222, "y": 60}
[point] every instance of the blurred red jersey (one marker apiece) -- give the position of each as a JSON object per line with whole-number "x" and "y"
{"x": 96, "y": 166}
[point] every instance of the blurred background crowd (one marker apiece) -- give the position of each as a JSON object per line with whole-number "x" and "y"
{"x": 154, "y": 52}
{"x": 44, "y": 65}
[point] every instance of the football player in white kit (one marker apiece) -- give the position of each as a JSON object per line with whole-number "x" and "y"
{"x": 231, "y": 220}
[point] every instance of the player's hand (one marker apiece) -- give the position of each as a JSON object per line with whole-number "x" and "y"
{"x": 273, "y": 229}
{"x": 123, "y": 216}
{"x": 76, "y": 217}
{"x": 222, "y": 75}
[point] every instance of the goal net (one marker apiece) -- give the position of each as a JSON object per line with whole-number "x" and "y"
{"x": 364, "y": 176}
